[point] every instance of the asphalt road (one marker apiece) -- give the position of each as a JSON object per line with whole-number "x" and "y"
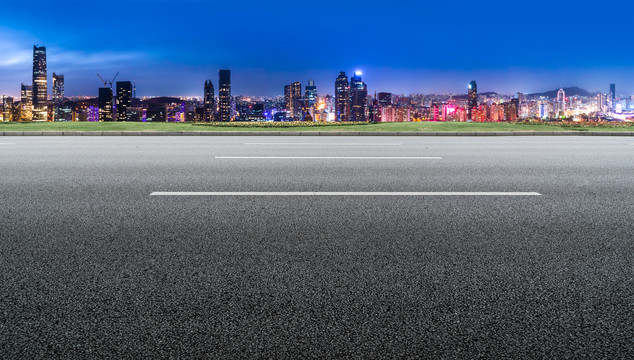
{"x": 92, "y": 266}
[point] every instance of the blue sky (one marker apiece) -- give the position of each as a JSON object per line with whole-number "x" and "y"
{"x": 171, "y": 47}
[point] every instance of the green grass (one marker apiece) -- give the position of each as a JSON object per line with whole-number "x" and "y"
{"x": 382, "y": 127}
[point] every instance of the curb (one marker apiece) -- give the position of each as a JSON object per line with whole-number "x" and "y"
{"x": 311, "y": 133}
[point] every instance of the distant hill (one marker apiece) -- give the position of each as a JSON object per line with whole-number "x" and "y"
{"x": 162, "y": 100}
{"x": 466, "y": 96}
{"x": 570, "y": 91}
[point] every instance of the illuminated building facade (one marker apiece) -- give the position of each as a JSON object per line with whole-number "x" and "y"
{"x": 26, "y": 103}
{"x": 124, "y": 100}
{"x": 58, "y": 96}
{"x": 7, "y": 108}
{"x": 612, "y": 97}
{"x": 40, "y": 84}
{"x": 511, "y": 110}
{"x": 561, "y": 102}
{"x": 295, "y": 104}
{"x": 342, "y": 97}
{"x": 395, "y": 114}
{"x": 105, "y": 104}
{"x": 358, "y": 95}
{"x": 472, "y": 99}
{"x": 600, "y": 102}
{"x": 224, "y": 95}
{"x": 209, "y": 102}
{"x": 311, "y": 94}
{"x": 385, "y": 99}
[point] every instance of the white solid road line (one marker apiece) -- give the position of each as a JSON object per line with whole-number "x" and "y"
{"x": 7, "y": 143}
{"x": 328, "y": 144}
{"x": 311, "y": 193}
{"x": 335, "y": 157}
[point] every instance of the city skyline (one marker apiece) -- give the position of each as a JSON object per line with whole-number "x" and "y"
{"x": 403, "y": 49}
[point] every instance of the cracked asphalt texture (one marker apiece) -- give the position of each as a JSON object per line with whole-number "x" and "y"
{"x": 92, "y": 266}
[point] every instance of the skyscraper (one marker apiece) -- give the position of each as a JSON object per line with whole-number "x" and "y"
{"x": 224, "y": 95}
{"x": 296, "y": 105}
{"x": 40, "y": 85}
{"x": 473, "y": 99}
{"x": 7, "y": 108}
{"x": 26, "y": 103}
{"x": 288, "y": 99}
{"x": 209, "y": 102}
{"x": 58, "y": 95}
{"x": 105, "y": 104}
{"x": 124, "y": 100}
{"x": 385, "y": 99}
{"x": 600, "y": 102}
{"x": 342, "y": 97}
{"x": 561, "y": 102}
{"x": 612, "y": 97}
{"x": 311, "y": 94}
{"x": 358, "y": 95}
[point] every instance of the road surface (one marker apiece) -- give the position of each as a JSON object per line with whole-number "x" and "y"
{"x": 317, "y": 247}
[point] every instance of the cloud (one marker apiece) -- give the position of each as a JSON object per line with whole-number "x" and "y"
{"x": 64, "y": 59}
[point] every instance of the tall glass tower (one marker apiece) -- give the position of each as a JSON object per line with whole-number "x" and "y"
{"x": 311, "y": 93}
{"x": 40, "y": 85}
{"x": 358, "y": 95}
{"x": 473, "y": 99}
{"x": 342, "y": 97}
{"x": 58, "y": 96}
{"x": 224, "y": 95}
{"x": 612, "y": 97}
{"x": 209, "y": 102}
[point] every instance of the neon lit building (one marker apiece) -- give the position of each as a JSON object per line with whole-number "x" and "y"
{"x": 473, "y": 99}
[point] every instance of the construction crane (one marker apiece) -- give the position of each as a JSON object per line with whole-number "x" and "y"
{"x": 108, "y": 83}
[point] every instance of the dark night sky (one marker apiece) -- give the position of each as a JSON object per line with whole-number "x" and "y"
{"x": 171, "y": 47}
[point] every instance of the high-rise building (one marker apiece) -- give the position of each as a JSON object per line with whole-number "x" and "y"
{"x": 385, "y": 99}
{"x": 124, "y": 100}
{"x": 40, "y": 85}
{"x": 224, "y": 95}
{"x": 105, "y": 104}
{"x": 26, "y": 103}
{"x": 612, "y": 97}
{"x": 293, "y": 101}
{"x": 600, "y": 102}
{"x": 374, "y": 110}
{"x": 561, "y": 102}
{"x": 288, "y": 99}
{"x": 58, "y": 95}
{"x": 473, "y": 99}
{"x": 296, "y": 103}
{"x": 342, "y": 97}
{"x": 311, "y": 94}
{"x": 358, "y": 97}
{"x": 209, "y": 102}
{"x": 7, "y": 108}
{"x": 511, "y": 110}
